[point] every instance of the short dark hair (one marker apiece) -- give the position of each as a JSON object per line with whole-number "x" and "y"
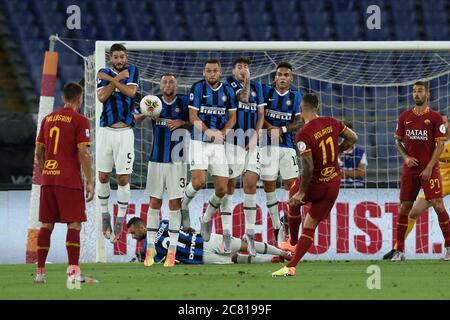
{"x": 135, "y": 221}
{"x": 310, "y": 100}
{"x": 241, "y": 60}
{"x": 117, "y": 47}
{"x": 169, "y": 74}
{"x": 421, "y": 83}
{"x": 72, "y": 91}
{"x": 284, "y": 64}
{"x": 212, "y": 60}
{"x": 348, "y": 124}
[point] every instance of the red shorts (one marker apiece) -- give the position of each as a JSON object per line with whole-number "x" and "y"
{"x": 410, "y": 185}
{"x": 60, "y": 204}
{"x": 322, "y": 197}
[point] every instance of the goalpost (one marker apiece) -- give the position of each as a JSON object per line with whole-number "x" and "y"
{"x": 367, "y": 83}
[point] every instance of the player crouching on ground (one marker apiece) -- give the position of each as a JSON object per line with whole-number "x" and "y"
{"x": 191, "y": 249}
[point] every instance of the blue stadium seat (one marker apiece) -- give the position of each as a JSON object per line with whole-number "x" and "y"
{"x": 254, "y": 18}
{"x": 280, "y": 19}
{"x": 199, "y": 19}
{"x": 318, "y": 34}
{"x": 408, "y": 6}
{"x": 346, "y": 18}
{"x": 404, "y": 18}
{"x": 436, "y": 5}
{"x": 406, "y": 32}
{"x": 172, "y": 32}
{"x": 71, "y": 73}
{"x": 436, "y": 32}
{"x": 312, "y": 6}
{"x": 364, "y": 4}
{"x": 316, "y": 19}
{"x": 350, "y": 32}
{"x": 224, "y": 7}
{"x": 164, "y": 6}
{"x": 231, "y": 33}
{"x": 254, "y": 6}
{"x": 341, "y": 6}
{"x": 260, "y": 32}
{"x": 286, "y": 6}
{"x": 290, "y": 32}
{"x": 228, "y": 20}
{"x": 191, "y": 6}
{"x": 435, "y": 17}
{"x": 201, "y": 33}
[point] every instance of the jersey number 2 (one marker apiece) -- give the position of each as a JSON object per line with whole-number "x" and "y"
{"x": 322, "y": 144}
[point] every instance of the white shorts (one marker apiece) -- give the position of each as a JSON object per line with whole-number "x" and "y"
{"x": 213, "y": 250}
{"x": 208, "y": 156}
{"x": 274, "y": 159}
{"x": 241, "y": 160}
{"x": 115, "y": 148}
{"x": 166, "y": 177}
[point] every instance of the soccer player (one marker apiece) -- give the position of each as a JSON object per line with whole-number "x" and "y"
{"x": 193, "y": 250}
{"x": 212, "y": 112}
{"x": 116, "y": 89}
{"x": 421, "y": 204}
{"x": 419, "y": 138}
{"x": 282, "y": 118}
{"x": 61, "y": 147}
{"x": 242, "y": 150}
{"x": 166, "y": 170}
{"x": 318, "y": 145}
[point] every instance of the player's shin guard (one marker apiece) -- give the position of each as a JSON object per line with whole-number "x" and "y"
{"x": 152, "y": 226}
{"x": 305, "y": 241}
{"x": 402, "y": 225}
{"x": 213, "y": 205}
{"x": 123, "y": 197}
{"x": 226, "y": 213}
{"x": 265, "y": 248}
{"x": 189, "y": 194}
{"x": 43, "y": 245}
{"x": 174, "y": 227}
{"x": 73, "y": 246}
{"x": 444, "y": 224}
{"x": 103, "y": 192}
{"x": 250, "y": 212}
{"x": 272, "y": 205}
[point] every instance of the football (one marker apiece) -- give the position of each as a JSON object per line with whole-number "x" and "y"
{"x": 151, "y": 106}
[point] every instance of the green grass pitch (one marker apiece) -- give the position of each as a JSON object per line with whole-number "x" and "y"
{"x": 414, "y": 279}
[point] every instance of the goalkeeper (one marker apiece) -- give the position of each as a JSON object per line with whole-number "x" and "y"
{"x": 191, "y": 249}
{"x": 421, "y": 204}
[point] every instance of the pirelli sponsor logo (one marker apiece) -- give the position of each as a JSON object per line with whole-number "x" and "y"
{"x": 249, "y": 106}
{"x": 213, "y": 110}
{"x": 51, "y": 168}
{"x": 162, "y": 122}
{"x": 278, "y": 115}
{"x": 323, "y": 132}
{"x": 58, "y": 117}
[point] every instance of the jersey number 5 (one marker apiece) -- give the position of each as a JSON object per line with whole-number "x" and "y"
{"x": 322, "y": 144}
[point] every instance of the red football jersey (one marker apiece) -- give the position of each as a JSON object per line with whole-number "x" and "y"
{"x": 419, "y": 133}
{"x": 61, "y": 132}
{"x": 321, "y": 137}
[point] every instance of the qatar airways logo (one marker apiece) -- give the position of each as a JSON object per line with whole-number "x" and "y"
{"x": 416, "y": 134}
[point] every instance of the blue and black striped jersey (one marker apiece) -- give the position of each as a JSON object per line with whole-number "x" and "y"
{"x": 189, "y": 247}
{"x": 247, "y": 113}
{"x": 162, "y": 136}
{"x": 118, "y": 107}
{"x": 281, "y": 110}
{"x": 212, "y": 105}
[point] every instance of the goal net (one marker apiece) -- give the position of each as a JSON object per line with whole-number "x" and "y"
{"x": 367, "y": 84}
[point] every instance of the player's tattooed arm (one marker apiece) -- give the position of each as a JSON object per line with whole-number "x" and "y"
{"x": 296, "y": 124}
{"x": 350, "y": 139}
{"x": 39, "y": 155}
{"x": 244, "y": 94}
{"x": 85, "y": 161}
{"x": 410, "y": 161}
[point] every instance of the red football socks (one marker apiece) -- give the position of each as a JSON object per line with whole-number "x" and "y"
{"x": 444, "y": 223}
{"x": 305, "y": 241}
{"x": 73, "y": 246}
{"x": 43, "y": 245}
{"x": 402, "y": 225}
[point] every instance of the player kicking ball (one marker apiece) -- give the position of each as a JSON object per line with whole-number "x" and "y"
{"x": 318, "y": 145}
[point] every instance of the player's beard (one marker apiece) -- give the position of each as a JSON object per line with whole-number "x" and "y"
{"x": 420, "y": 102}
{"x": 121, "y": 68}
{"x": 213, "y": 82}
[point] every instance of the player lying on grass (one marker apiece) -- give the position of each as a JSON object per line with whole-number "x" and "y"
{"x": 191, "y": 249}
{"x": 421, "y": 204}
